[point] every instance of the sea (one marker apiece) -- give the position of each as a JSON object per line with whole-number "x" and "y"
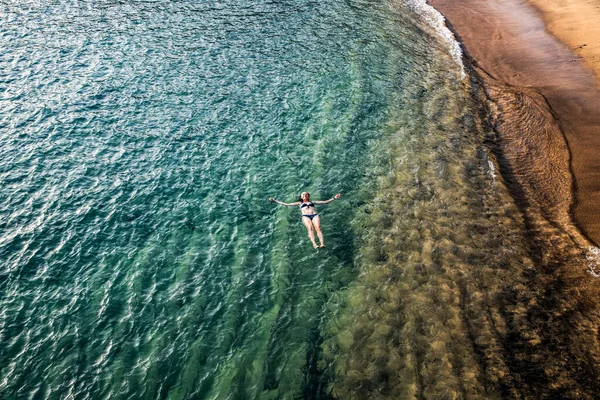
{"x": 140, "y": 142}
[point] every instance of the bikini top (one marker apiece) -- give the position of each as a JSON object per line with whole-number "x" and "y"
{"x": 309, "y": 204}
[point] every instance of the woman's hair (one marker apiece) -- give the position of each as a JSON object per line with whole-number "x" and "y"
{"x": 300, "y": 197}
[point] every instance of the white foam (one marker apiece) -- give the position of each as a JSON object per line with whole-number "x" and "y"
{"x": 437, "y": 21}
{"x": 492, "y": 169}
{"x": 593, "y": 257}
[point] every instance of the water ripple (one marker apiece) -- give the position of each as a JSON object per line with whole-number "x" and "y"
{"x": 140, "y": 142}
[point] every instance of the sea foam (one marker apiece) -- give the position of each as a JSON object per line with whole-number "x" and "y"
{"x": 437, "y": 21}
{"x": 593, "y": 257}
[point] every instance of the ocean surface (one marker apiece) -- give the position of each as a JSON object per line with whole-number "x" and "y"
{"x": 140, "y": 257}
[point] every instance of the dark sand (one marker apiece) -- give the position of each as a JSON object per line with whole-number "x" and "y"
{"x": 511, "y": 47}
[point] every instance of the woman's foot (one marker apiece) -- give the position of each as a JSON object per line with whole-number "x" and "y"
{"x": 315, "y": 245}
{"x": 322, "y": 246}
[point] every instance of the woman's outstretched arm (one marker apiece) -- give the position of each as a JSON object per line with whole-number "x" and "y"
{"x": 337, "y": 196}
{"x": 285, "y": 204}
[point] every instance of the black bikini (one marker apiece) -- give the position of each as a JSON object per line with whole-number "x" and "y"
{"x": 309, "y": 204}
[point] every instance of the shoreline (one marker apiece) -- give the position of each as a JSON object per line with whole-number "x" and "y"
{"x": 539, "y": 109}
{"x": 521, "y": 65}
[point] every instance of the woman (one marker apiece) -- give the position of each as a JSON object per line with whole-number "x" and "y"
{"x": 310, "y": 218}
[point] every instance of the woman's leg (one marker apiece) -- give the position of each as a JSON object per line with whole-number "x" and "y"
{"x": 317, "y": 223}
{"x": 311, "y": 235}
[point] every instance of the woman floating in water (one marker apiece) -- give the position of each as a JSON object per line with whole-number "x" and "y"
{"x": 310, "y": 218}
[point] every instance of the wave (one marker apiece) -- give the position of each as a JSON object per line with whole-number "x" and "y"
{"x": 436, "y": 20}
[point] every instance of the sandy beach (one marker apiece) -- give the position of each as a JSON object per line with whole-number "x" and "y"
{"x": 511, "y": 46}
{"x": 576, "y": 23}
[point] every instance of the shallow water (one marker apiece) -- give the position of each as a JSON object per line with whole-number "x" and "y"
{"x": 140, "y": 144}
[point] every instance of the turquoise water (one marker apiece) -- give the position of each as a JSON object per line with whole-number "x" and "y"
{"x": 140, "y": 142}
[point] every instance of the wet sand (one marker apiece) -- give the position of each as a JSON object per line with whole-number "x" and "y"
{"x": 541, "y": 90}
